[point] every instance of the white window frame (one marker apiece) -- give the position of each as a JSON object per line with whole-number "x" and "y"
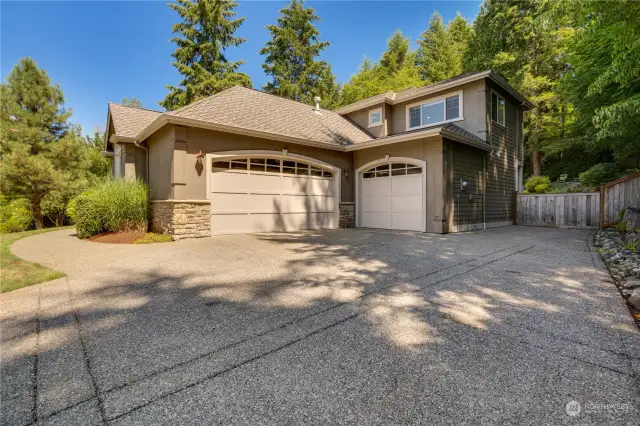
{"x": 373, "y": 111}
{"x": 433, "y": 101}
{"x": 504, "y": 112}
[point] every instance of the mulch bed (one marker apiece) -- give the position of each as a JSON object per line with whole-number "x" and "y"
{"x": 117, "y": 237}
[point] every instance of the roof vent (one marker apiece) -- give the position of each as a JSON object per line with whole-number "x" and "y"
{"x": 317, "y": 101}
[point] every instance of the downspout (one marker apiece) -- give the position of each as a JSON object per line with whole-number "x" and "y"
{"x": 146, "y": 157}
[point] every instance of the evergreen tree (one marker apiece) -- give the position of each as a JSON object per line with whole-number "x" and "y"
{"x": 460, "y": 33}
{"x": 435, "y": 57}
{"x": 396, "y": 71}
{"x": 604, "y": 82}
{"x": 133, "y": 102}
{"x": 291, "y": 58}
{"x": 38, "y": 154}
{"x": 205, "y": 32}
{"x": 518, "y": 40}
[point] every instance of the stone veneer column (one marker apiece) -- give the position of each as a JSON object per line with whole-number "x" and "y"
{"x": 181, "y": 218}
{"x": 347, "y": 215}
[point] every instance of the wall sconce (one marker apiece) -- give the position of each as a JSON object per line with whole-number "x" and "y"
{"x": 199, "y": 156}
{"x": 346, "y": 173}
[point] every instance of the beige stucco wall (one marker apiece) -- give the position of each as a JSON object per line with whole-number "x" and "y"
{"x": 473, "y": 109}
{"x": 361, "y": 118}
{"x": 160, "y": 146}
{"x": 188, "y": 177}
{"x": 429, "y": 150}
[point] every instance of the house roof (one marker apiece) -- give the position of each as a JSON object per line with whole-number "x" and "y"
{"x": 393, "y": 98}
{"x": 259, "y": 111}
{"x": 128, "y": 122}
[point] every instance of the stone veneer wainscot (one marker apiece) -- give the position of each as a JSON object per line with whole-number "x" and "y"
{"x": 181, "y": 218}
{"x": 347, "y": 215}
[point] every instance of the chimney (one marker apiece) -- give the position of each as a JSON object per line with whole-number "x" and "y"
{"x": 317, "y": 101}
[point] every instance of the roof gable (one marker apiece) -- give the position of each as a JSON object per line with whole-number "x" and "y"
{"x": 128, "y": 122}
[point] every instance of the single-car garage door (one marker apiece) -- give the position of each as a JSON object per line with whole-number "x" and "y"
{"x": 259, "y": 194}
{"x": 392, "y": 197}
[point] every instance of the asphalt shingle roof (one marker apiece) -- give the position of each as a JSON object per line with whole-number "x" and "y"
{"x": 255, "y": 110}
{"x": 129, "y": 121}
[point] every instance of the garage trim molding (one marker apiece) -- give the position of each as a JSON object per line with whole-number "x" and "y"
{"x": 386, "y": 160}
{"x": 284, "y": 154}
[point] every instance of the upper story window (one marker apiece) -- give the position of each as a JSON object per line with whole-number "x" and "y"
{"x": 434, "y": 111}
{"x": 375, "y": 117}
{"x": 497, "y": 108}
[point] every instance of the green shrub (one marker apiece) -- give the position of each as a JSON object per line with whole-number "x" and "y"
{"x": 599, "y": 174}
{"x": 538, "y": 184}
{"x": 71, "y": 210}
{"x": 112, "y": 206}
{"x": 15, "y": 216}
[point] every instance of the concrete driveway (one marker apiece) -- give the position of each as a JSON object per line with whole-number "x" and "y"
{"x": 346, "y": 327}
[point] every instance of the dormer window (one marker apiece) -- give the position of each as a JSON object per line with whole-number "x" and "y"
{"x": 375, "y": 117}
{"x": 435, "y": 111}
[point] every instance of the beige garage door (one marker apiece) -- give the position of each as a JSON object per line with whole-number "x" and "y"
{"x": 392, "y": 197}
{"x": 260, "y": 194}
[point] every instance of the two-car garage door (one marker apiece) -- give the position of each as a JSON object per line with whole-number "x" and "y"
{"x": 259, "y": 194}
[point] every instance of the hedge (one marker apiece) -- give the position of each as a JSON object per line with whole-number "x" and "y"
{"x": 15, "y": 216}
{"x": 116, "y": 205}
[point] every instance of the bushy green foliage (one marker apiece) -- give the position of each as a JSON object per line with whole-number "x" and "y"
{"x": 538, "y": 184}
{"x": 15, "y": 215}
{"x": 599, "y": 174}
{"x": 116, "y": 205}
{"x": 71, "y": 210}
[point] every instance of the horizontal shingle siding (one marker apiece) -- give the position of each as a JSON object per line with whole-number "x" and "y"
{"x": 467, "y": 203}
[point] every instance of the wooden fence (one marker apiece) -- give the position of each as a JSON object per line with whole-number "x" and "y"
{"x": 618, "y": 195}
{"x": 573, "y": 210}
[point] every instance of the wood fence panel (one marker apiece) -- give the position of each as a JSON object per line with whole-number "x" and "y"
{"x": 620, "y": 194}
{"x": 560, "y": 210}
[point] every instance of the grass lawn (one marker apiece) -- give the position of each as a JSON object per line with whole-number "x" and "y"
{"x": 17, "y": 273}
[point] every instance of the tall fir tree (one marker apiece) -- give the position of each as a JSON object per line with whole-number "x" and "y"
{"x": 460, "y": 33}
{"x": 518, "y": 40}
{"x": 39, "y": 156}
{"x": 395, "y": 71}
{"x": 435, "y": 58}
{"x": 204, "y": 34}
{"x": 291, "y": 58}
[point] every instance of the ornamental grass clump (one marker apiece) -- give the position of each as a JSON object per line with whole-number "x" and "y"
{"x": 116, "y": 205}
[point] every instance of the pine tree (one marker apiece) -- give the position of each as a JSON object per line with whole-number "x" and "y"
{"x": 460, "y": 32}
{"x": 205, "y": 33}
{"x": 435, "y": 57}
{"x": 133, "y": 102}
{"x": 291, "y": 58}
{"x": 395, "y": 71}
{"x": 38, "y": 153}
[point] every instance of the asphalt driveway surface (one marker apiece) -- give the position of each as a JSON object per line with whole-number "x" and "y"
{"x": 502, "y": 326}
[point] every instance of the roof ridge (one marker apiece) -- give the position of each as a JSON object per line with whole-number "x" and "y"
{"x": 199, "y": 101}
{"x": 285, "y": 99}
{"x": 127, "y": 106}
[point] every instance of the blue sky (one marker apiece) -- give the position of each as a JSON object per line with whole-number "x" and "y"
{"x": 100, "y": 52}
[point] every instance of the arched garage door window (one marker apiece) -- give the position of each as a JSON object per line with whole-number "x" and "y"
{"x": 392, "y": 196}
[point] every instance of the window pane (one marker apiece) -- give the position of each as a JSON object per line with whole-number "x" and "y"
{"x": 376, "y": 117}
{"x": 302, "y": 169}
{"x": 382, "y": 173}
{"x": 385, "y": 167}
{"x": 273, "y": 169}
{"x": 221, "y": 164}
{"x": 289, "y": 163}
{"x": 257, "y": 161}
{"x": 414, "y": 171}
{"x": 289, "y": 170}
{"x": 433, "y": 113}
{"x": 238, "y": 166}
{"x": 316, "y": 172}
{"x": 368, "y": 175}
{"x": 414, "y": 116}
{"x": 327, "y": 174}
{"x": 398, "y": 166}
{"x": 256, "y": 167}
{"x": 453, "y": 107}
{"x": 273, "y": 162}
{"x": 398, "y": 172}
{"x": 501, "y": 111}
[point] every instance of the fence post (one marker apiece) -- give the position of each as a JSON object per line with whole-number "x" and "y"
{"x": 602, "y": 192}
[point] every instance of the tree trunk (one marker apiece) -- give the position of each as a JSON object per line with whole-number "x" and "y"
{"x": 537, "y": 163}
{"x": 36, "y": 210}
